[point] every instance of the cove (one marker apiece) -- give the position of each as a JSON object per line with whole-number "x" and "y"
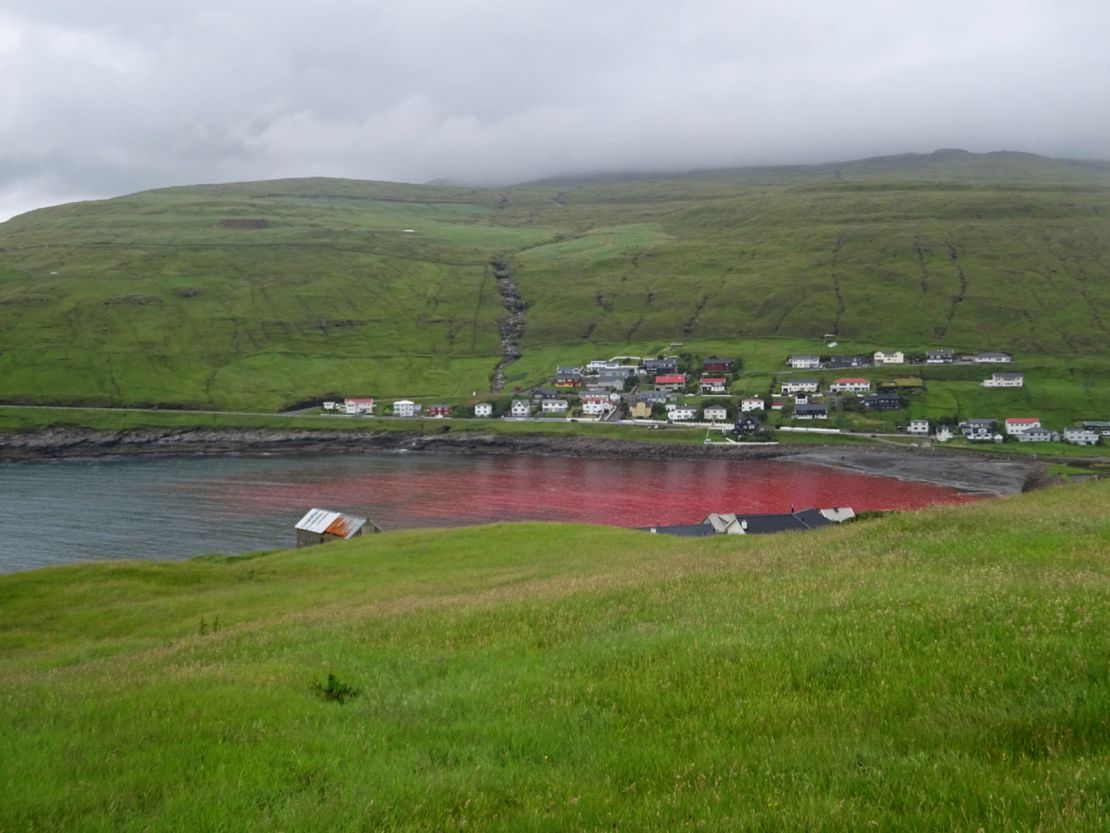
{"x": 167, "y": 508}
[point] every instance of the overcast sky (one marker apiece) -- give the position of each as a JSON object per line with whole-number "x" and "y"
{"x": 112, "y": 96}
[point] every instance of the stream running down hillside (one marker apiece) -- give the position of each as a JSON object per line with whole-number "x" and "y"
{"x": 511, "y": 327}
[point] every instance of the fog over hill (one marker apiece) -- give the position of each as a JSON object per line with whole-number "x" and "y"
{"x": 123, "y": 96}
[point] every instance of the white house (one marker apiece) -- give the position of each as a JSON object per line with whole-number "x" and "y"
{"x": 358, "y": 406}
{"x": 941, "y": 356}
{"x": 713, "y": 384}
{"x": 751, "y": 403}
{"x": 992, "y": 358}
{"x": 715, "y": 413}
{"x": 895, "y": 357}
{"x": 596, "y": 405}
{"x": 804, "y": 362}
{"x": 1005, "y": 380}
{"x": 944, "y": 433}
{"x": 1016, "y": 425}
{"x": 554, "y": 406}
{"x": 331, "y": 406}
{"x": 483, "y": 409}
{"x": 682, "y": 413}
{"x": 919, "y": 427}
{"x": 404, "y": 408}
{"x": 520, "y": 408}
{"x": 1038, "y": 435}
{"x": 1081, "y": 436}
{"x": 800, "y": 386}
{"x": 850, "y": 384}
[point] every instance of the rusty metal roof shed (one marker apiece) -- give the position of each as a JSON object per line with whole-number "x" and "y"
{"x": 326, "y": 522}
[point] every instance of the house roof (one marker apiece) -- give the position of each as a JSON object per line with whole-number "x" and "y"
{"x": 811, "y": 409}
{"x": 671, "y": 379}
{"x": 683, "y": 530}
{"x": 360, "y": 400}
{"x": 1022, "y": 420}
{"x": 769, "y": 523}
{"x": 712, "y": 380}
{"x": 852, "y": 380}
{"x": 404, "y": 402}
{"x": 326, "y": 522}
{"x": 1007, "y": 375}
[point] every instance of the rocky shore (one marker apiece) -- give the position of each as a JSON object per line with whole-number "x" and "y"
{"x": 969, "y": 472}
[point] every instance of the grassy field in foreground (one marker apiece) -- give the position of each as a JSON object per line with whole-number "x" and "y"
{"x": 937, "y": 670}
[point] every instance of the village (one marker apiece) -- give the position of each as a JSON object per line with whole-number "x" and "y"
{"x": 682, "y": 390}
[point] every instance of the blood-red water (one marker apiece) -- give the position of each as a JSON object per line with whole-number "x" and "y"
{"x": 400, "y": 491}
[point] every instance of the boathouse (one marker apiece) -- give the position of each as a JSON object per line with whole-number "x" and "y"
{"x": 319, "y": 526}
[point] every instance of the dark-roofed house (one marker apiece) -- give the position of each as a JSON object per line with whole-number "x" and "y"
{"x": 683, "y": 530}
{"x": 843, "y": 362}
{"x": 748, "y": 424}
{"x": 568, "y": 377}
{"x": 978, "y": 429}
{"x": 320, "y": 526}
{"x": 811, "y": 411}
{"x": 939, "y": 356}
{"x": 715, "y": 364}
{"x": 882, "y": 402}
{"x": 1099, "y": 426}
{"x": 665, "y": 365}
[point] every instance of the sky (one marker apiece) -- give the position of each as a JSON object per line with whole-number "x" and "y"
{"x": 114, "y": 96}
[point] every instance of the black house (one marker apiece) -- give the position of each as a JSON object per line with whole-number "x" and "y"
{"x": 667, "y": 365}
{"x": 748, "y": 424}
{"x": 841, "y": 362}
{"x": 882, "y": 402}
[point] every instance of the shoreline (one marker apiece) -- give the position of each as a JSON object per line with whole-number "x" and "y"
{"x": 968, "y": 472}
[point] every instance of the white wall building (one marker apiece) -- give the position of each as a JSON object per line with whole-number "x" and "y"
{"x": 1081, "y": 436}
{"x": 751, "y": 403}
{"x": 358, "y": 406}
{"x": 918, "y": 427}
{"x": 715, "y": 413}
{"x": 800, "y": 386}
{"x": 483, "y": 409}
{"x": 554, "y": 406}
{"x": 682, "y": 413}
{"x": 404, "y": 408}
{"x": 804, "y": 362}
{"x": 1016, "y": 425}
{"x": 883, "y": 357}
{"x": 520, "y": 408}
{"x": 596, "y": 405}
{"x": 1005, "y": 380}
{"x": 850, "y": 384}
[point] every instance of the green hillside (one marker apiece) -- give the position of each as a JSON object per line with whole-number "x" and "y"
{"x": 261, "y": 295}
{"x": 937, "y": 670}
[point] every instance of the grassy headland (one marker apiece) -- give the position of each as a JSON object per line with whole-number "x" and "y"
{"x": 945, "y": 669}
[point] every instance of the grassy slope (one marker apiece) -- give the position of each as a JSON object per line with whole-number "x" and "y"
{"x": 154, "y": 298}
{"x": 937, "y": 670}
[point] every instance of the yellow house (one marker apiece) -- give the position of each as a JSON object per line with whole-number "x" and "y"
{"x": 641, "y": 410}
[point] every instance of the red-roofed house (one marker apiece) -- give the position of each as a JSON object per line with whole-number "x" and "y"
{"x": 670, "y": 382}
{"x": 1015, "y": 425}
{"x": 850, "y": 384}
{"x": 358, "y": 406}
{"x": 440, "y": 410}
{"x": 713, "y": 384}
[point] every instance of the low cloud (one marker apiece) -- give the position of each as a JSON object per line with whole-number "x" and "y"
{"x": 120, "y": 96}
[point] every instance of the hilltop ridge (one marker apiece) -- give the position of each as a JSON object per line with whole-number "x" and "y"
{"x": 265, "y": 294}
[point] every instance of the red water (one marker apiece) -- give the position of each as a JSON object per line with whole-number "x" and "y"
{"x": 399, "y": 491}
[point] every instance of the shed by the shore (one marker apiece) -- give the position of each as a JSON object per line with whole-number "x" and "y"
{"x": 319, "y": 526}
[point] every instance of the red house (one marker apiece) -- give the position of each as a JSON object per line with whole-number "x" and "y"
{"x": 715, "y": 364}
{"x": 439, "y": 410}
{"x": 670, "y": 382}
